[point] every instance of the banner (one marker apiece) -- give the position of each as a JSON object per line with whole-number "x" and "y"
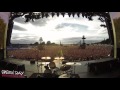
{"x": 4, "y": 20}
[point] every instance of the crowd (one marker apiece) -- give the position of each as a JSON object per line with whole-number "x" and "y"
{"x": 70, "y": 52}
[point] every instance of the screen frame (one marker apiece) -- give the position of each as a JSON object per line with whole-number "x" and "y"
{"x": 111, "y": 32}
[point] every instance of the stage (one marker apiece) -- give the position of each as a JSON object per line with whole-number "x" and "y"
{"x": 79, "y": 68}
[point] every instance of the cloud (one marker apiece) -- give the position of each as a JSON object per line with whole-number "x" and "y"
{"x": 95, "y": 37}
{"x": 22, "y": 41}
{"x": 37, "y": 22}
{"x": 72, "y": 25}
{"x": 67, "y": 30}
{"x": 22, "y": 35}
{"x": 20, "y": 20}
{"x": 76, "y": 40}
{"x": 24, "y": 38}
{"x": 40, "y": 22}
{"x": 87, "y": 38}
{"x": 104, "y": 32}
{"x": 16, "y": 27}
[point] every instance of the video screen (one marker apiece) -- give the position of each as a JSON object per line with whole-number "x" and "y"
{"x": 51, "y": 42}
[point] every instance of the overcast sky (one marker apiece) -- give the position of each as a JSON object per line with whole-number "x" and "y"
{"x": 56, "y": 29}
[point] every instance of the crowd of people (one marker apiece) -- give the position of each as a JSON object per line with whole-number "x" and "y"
{"x": 69, "y": 52}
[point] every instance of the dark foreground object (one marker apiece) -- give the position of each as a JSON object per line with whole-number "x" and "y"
{"x": 1, "y": 54}
{"x": 32, "y": 62}
{"x": 104, "y": 67}
{"x": 42, "y": 75}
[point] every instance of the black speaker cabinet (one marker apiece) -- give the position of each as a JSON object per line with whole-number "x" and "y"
{"x": 1, "y": 54}
{"x": 32, "y": 62}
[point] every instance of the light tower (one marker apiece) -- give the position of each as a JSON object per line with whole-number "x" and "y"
{"x": 83, "y": 45}
{"x": 83, "y": 39}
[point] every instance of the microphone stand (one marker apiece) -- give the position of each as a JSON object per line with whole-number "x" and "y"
{"x": 37, "y": 62}
{"x": 74, "y": 66}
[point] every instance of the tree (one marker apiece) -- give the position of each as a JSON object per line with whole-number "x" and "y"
{"x": 43, "y": 43}
{"x": 53, "y": 43}
{"x": 105, "y": 41}
{"x": 36, "y": 43}
{"x": 60, "y": 43}
{"x": 41, "y": 40}
{"x": 48, "y": 42}
{"x": 31, "y": 44}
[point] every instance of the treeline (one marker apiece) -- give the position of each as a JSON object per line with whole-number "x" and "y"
{"x": 107, "y": 41}
{"x": 43, "y": 43}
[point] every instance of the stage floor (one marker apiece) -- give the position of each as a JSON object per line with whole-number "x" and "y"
{"x": 79, "y": 68}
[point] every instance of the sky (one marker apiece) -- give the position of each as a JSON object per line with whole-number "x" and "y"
{"x": 66, "y": 29}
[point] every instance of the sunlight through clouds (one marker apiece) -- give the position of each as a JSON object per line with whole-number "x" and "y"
{"x": 56, "y": 28}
